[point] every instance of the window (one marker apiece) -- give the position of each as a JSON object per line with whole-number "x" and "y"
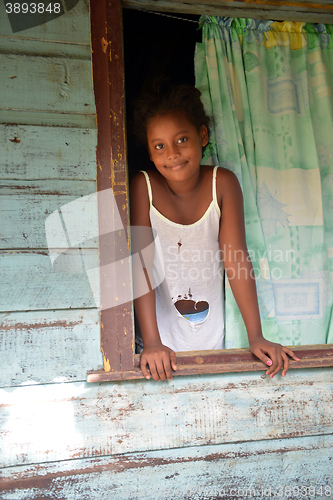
{"x": 117, "y": 347}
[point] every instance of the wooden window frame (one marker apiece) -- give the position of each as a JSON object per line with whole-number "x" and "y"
{"x": 117, "y": 345}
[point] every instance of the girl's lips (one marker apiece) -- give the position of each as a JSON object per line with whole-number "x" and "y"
{"x": 178, "y": 166}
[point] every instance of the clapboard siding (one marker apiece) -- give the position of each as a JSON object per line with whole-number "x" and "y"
{"x": 33, "y": 153}
{"x": 49, "y": 329}
{"x": 48, "y": 346}
{"x": 53, "y": 84}
{"x": 47, "y": 423}
{"x": 29, "y": 282}
{"x": 47, "y": 118}
{"x": 26, "y": 206}
{"x": 242, "y": 470}
{"x": 72, "y": 28}
{"x": 10, "y": 45}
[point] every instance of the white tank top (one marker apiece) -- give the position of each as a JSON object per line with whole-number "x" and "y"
{"x": 191, "y": 260}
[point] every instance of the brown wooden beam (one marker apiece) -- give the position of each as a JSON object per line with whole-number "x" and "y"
{"x": 225, "y": 361}
{"x": 304, "y": 11}
{"x": 108, "y": 79}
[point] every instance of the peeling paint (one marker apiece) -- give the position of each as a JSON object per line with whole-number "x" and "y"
{"x": 104, "y": 45}
{"x": 107, "y": 366}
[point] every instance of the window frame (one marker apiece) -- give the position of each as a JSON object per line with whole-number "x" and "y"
{"x": 117, "y": 339}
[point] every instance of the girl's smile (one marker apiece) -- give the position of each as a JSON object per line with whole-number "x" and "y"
{"x": 175, "y": 145}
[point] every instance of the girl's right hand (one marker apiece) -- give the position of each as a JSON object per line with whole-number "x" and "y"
{"x": 160, "y": 359}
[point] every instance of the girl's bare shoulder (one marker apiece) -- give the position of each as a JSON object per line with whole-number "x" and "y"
{"x": 227, "y": 185}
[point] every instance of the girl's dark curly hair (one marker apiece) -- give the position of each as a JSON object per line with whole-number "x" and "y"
{"x": 162, "y": 98}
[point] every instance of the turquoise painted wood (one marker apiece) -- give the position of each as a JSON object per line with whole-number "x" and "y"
{"x": 48, "y": 346}
{"x": 45, "y": 423}
{"x": 72, "y": 29}
{"x": 68, "y": 154}
{"x": 47, "y": 118}
{"x": 29, "y": 282}
{"x": 283, "y": 468}
{"x": 61, "y": 85}
{"x": 31, "y": 203}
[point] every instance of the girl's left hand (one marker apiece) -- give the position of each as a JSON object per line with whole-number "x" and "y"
{"x": 273, "y": 355}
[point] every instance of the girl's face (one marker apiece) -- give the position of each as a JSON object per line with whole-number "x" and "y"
{"x": 175, "y": 145}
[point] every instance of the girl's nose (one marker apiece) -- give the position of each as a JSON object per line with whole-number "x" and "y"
{"x": 173, "y": 152}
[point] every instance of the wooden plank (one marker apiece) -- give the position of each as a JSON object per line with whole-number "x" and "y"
{"x": 108, "y": 77}
{"x": 223, "y": 361}
{"x": 66, "y": 85}
{"x": 25, "y": 207}
{"x": 71, "y": 28}
{"x": 47, "y": 119}
{"x": 42, "y": 347}
{"x": 305, "y": 5}
{"x": 241, "y": 470}
{"x": 33, "y": 47}
{"x": 76, "y": 420}
{"x": 47, "y": 153}
{"x": 28, "y": 282}
{"x": 227, "y": 9}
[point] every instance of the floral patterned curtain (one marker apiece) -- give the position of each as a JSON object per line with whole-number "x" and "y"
{"x": 268, "y": 88}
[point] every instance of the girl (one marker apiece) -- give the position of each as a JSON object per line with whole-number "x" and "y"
{"x": 197, "y": 213}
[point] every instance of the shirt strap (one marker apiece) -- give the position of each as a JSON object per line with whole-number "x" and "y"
{"x": 214, "y": 189}
{"x": 150, "y": 194}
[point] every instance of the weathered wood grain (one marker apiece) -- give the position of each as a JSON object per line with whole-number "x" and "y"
{"x": 75, "y": 420}
{"x": 108, "y": 76}
{"x": 241, "y": 470}
{"x": 26, "y": 205}
{"x": 222, "y": 361}
{"x": 34, "y": 47}
{"x": 61, "y": 85}
{"x": 47, "y": 153}
{"x": 315, "y": 12}
{"x": 48, "y": 346}
{"x": 28, "y": 282}
{"x": 71, "y": 28}
{"x": 47, "y": 118}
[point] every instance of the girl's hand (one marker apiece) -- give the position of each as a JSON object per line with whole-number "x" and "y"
{"x": 161, "y": 361}
{"x": 273, "y": 355}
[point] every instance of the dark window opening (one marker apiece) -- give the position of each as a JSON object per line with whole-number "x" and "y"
{"x": 154, "y": 45}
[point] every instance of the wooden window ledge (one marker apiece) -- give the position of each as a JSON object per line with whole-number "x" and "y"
{"x": 222, "y": 361}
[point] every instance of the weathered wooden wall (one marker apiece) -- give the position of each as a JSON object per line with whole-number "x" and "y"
{"x": 48, "y": 139}
{"x": 195, "y": 437}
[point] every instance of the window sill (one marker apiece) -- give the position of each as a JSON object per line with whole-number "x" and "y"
{"x": 223, "y": 361}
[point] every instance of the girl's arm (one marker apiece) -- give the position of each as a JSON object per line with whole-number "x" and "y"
{"x": 160, "y": 359}
{"x": 238, "y": 267}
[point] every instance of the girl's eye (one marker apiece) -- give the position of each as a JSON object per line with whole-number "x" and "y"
{"x": 159, "y": 146}
{"x": 181, "y": 140}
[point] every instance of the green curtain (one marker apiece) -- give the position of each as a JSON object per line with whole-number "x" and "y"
{"x": 268, "y": 88}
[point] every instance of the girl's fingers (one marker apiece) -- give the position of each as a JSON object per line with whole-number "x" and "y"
{"x": 152, "y": 368}
{"x": 275, "y": 368}
{"x": 276, "y": 363}
{"x": 143, "y": 366}
{"x": 153, "y": 371}
{"x": 167, "y": 369}
{"x": 285, "y": 363}
{"x": 263, "y": 357}
{"x": 271, "y": 360}
{"x": 159, "y": 366}
{"x": 173, "y": 360}
{"x": 276, "y": 358}
{"x": 290, "y": 353}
